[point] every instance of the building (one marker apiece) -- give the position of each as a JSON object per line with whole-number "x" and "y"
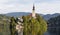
{"x": 19, "y": 26}
{"x": 33, "y": 12}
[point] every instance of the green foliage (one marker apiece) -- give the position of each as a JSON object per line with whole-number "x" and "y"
{"x": 31, "y": 26}
{"x": 4, "y": 25}
{"x": 34, "y": 26}
{"x": 12, "y": 26}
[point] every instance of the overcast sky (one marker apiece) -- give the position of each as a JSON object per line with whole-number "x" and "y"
{"x": 41, "y": 6}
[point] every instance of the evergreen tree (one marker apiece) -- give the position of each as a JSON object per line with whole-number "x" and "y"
{"x": 34, "y": 26}
{"x": 12, "y": 26}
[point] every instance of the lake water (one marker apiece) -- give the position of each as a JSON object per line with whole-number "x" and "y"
{"x": 46, "y": 33}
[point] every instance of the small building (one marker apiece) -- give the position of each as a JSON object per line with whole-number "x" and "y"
{"x": 19, "y": 26}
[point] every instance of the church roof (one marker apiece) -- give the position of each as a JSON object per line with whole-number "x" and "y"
{"x": 33, "y": 7}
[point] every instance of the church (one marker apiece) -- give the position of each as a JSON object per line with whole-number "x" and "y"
{"x": 19, "y": 26}
{"x": 33, "y": 12}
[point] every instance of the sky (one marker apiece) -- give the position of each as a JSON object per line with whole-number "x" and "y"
{"x": 41, "y": 6}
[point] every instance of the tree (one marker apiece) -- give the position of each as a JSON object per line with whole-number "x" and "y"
{"x": 34, "y": 26}
{"x": 12, "y": 26}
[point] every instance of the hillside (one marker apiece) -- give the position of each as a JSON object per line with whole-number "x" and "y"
{"x": 54, "y": 25}
{"x": 48, "y": 16}
{"x": 18, "y": 14}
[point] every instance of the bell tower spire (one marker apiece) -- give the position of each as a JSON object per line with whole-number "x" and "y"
{"x": 33, "y": 11}
{"x": 33, "y": 7}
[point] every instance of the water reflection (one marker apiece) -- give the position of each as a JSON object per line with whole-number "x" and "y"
{"x": 50, "y": 33}
{"x": 47, "y": 33}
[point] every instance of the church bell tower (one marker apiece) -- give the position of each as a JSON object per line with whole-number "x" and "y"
{"x": 33, "y": 12}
